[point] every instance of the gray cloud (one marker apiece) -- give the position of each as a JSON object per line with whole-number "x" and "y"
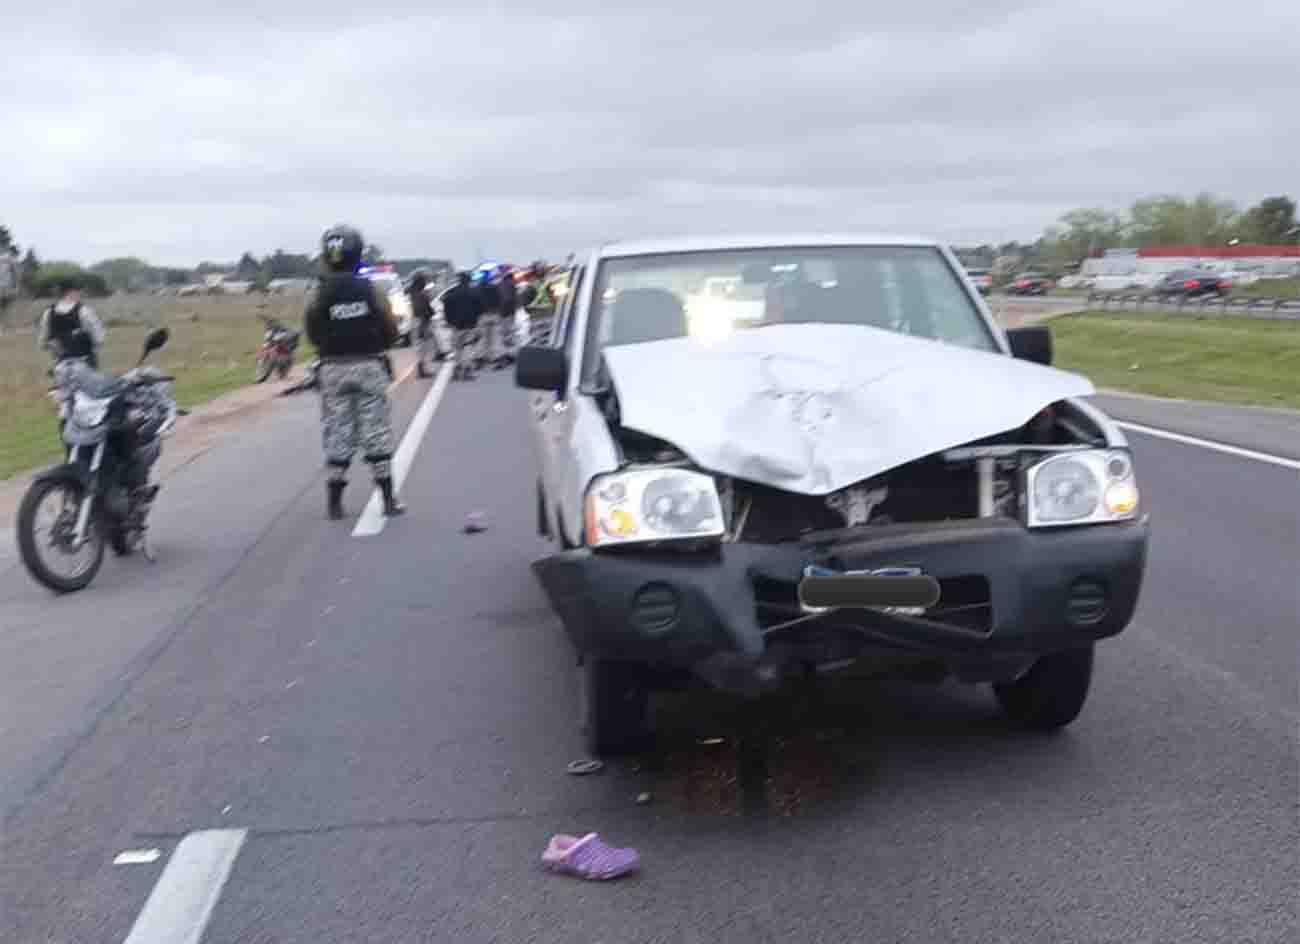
{"x": 152, "y": 129}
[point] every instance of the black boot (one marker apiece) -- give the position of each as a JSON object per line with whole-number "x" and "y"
{"x": 392, "y": 507}
{"x": 335, "y": 488}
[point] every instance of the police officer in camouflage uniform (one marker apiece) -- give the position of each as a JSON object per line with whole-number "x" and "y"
{"x": 351, "y": 324}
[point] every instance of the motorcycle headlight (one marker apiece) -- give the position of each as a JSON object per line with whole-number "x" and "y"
{"x": 89, "y": 412}
{"x": 1091, "y": 487}
{"x": 650, "y": 505}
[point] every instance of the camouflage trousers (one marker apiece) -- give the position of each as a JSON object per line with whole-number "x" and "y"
{"x": 427, "y": 333}
{"x": 355, "y": 415}
{"x": 491, "y": 346}
{"x": 464, "y": 345}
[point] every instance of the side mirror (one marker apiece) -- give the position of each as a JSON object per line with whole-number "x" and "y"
{"x": 1033, "y": 343}
{"x": 541, "y": 368}
{"x": 155, "y": 340}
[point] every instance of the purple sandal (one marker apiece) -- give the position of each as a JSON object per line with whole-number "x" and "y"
{"x": 589, "y": 857}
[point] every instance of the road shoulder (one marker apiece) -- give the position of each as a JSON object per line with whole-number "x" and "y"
{"x": 1261, "y": 429}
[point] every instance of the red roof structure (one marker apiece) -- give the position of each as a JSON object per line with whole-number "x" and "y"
{"x": 1239, "y": 251}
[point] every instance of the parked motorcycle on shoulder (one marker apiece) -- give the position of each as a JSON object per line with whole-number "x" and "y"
{"x": 279, "y": 345}
{"x": 112, "y": 428}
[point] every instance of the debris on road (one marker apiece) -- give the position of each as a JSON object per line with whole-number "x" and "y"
{"x": 580, "y": 768}
{"x": 589, "y": 857}
{"x": 138, "y": 857}
{"x": 644, "y": 799}
{"x": 475, "y": 523}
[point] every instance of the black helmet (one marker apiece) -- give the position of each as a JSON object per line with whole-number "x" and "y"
{"x": 341, "y": 248}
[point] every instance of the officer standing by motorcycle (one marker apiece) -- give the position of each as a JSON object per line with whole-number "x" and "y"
{"x": 351, "y": 324}
{"x": 70, "y": 329}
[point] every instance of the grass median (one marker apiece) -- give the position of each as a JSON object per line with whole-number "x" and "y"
{"x": 1224, "y": 359}
{"x": 214, "y": 341}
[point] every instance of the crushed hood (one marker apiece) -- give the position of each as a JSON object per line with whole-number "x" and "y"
{"x": 814, "y": 408}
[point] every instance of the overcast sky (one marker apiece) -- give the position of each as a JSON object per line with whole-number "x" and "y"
{"x": 526, "y": 128}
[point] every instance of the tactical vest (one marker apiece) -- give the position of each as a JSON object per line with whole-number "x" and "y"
{"x": 65, "y": 327}
{"x": 351, "y": 325}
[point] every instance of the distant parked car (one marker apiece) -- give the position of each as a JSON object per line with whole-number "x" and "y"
{"x": 1029, "y": 283}
{"x": 1074, "y": 281}
{"x": 1191, "y": 283}
{"x": 982, "y": 278}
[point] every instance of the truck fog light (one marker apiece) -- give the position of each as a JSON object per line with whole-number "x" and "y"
{"x": 655, "y": 608}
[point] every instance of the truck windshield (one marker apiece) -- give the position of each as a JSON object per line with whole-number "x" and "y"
{"x": 709, "y": 294}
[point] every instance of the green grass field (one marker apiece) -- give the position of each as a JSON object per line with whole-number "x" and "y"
{"x": 1270, "y": 288}
{"x": 211, "y": 351}
{"x": 1229, "y": 360}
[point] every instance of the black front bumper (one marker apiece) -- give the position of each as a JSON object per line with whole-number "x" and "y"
{"x": 1036, "y": 592}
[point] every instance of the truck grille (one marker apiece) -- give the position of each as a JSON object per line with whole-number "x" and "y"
{"x": 928, "y": 490}
{"x": 965, "y": 602}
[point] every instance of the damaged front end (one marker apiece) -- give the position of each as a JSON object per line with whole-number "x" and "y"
{"x": 701, "y": 572}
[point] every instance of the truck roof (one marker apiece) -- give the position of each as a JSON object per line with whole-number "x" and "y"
{"x": 650, "y": 247}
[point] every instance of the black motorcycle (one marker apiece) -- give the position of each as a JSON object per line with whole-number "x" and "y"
{"x": 112, "y": 428}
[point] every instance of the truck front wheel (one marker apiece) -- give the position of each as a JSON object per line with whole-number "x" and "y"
{"x": 1051, "y": 694}
{"x": 615, "y": 706}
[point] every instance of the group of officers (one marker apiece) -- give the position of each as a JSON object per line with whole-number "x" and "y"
{"x": 481, "y": 315}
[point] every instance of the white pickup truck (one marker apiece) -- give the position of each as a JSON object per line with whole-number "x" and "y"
{"x": 864, "y": 472}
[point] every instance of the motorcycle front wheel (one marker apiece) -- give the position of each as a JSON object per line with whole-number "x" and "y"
{"x": 263, "y": 368}
{"x": 47, "y": 520}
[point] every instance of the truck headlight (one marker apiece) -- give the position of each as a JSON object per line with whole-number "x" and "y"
{"x": 1087, "y": 487}
{"x": 648, "y": 505}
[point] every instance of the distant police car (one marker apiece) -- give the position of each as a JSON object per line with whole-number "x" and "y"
{"x": 386, "y": 277}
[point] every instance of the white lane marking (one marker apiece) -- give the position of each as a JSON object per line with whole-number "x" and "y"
{"x": 181, "y": 904}
{"x": 372, "y": 520}
{"x": 138, "y": 857}
{"x": 1216, "y": 446}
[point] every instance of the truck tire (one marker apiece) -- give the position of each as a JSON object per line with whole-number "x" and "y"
{"x": 1051, "y": 694}
{"x": 615, "y": 706}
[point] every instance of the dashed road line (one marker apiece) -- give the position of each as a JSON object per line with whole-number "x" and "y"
{"x": 180, "y": 905}
{"x": 372, "y": 520}
{"x": 1212, "y": 445}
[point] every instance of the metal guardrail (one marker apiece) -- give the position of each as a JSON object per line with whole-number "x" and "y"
{"x": 1244, "y": 305}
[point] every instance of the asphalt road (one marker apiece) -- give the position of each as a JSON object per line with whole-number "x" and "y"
{"x": 390, "y": 719}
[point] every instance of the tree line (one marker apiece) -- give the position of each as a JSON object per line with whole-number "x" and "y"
{"x": 39, "y": 278}
{"x": 1160, "y": 220}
